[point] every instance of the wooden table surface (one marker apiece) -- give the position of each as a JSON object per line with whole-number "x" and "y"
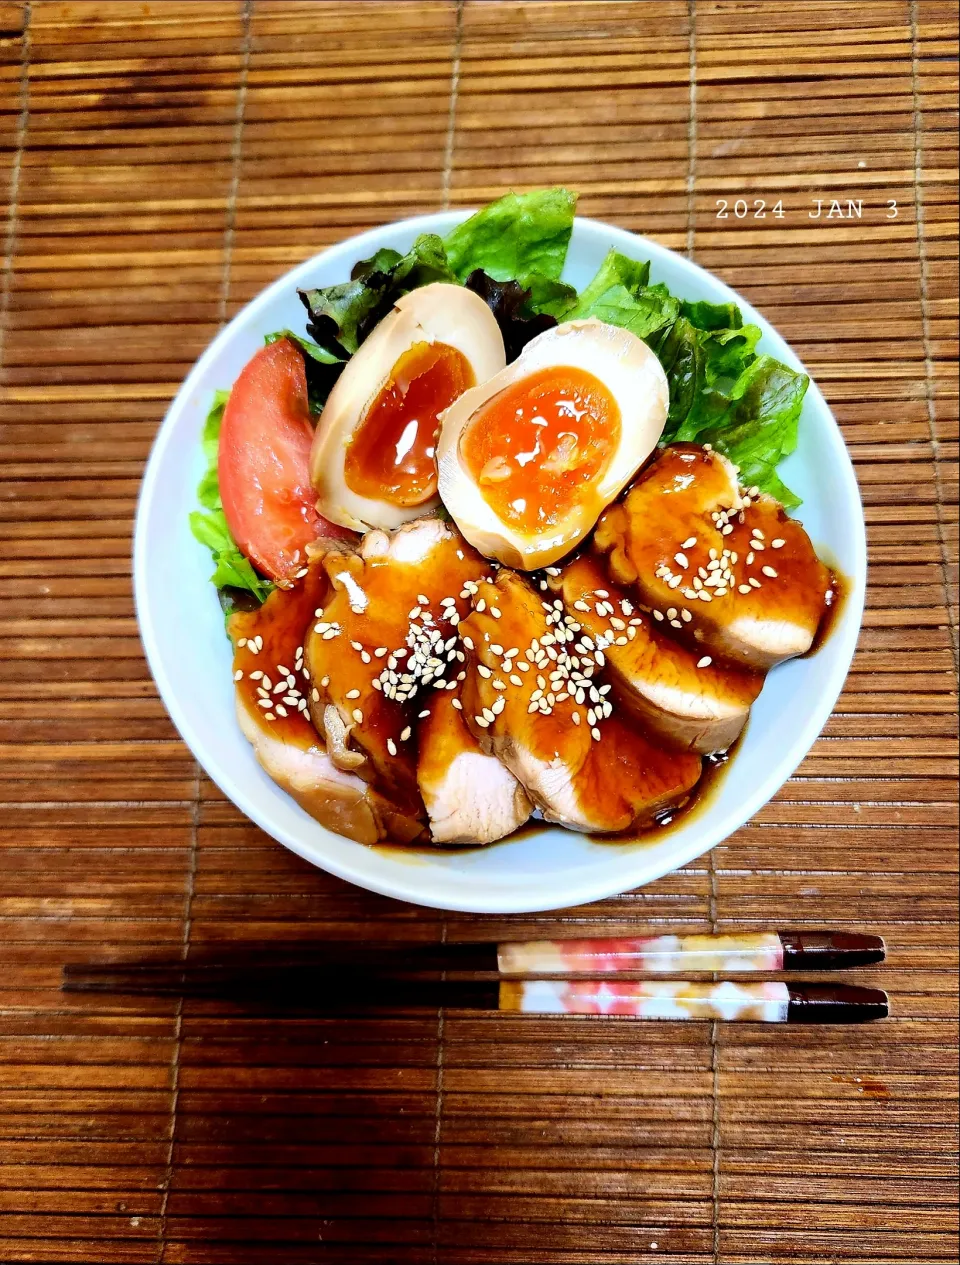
{"x": 162, "y": 162}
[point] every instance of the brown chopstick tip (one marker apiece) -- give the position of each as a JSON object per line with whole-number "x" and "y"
{"x": 836, "y": 1003}
{"x": 830, "y": 950}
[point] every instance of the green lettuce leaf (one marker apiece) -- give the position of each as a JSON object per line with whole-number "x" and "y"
{"x": 616, "y": 270}
{"x": 548, "y": 297}
{"x": 232, "y": 569}
{"x": 520, "y": 234}
{"x": 701, "y": 367}
{"x": 759, "y": 427}
{"x": 619, "y": 294}
{"x": 341, "y": 316}
{"x": 704, "y": 315}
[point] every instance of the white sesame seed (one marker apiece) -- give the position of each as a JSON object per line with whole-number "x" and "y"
{"x": 658, "y": 615}
{"x": 485, "y": 724}
{"x": 484, "y": 670}
{"x": 754, "y": 582}
{"x": 281, "y": 710}
{"x": 769, "y": 571}
{"x": 681, "y": 560}
{"x": 269, "y": 716}
{"x": 595, "y": 734}
{"x": 454, "y": 702}
{"x": 778, "y": 543}
{"x": 686, "y": 616}
{"x": 481, "y": 606}
{"x": 352, "y": 694}
{"x": 689, "y": 542}
{"x": 242, "y": 642}
{"x": 743, "y": 588}
{"x": 238, "y": 675}
{"x": 704, "y": 596}
{"x": 357, "y": 715}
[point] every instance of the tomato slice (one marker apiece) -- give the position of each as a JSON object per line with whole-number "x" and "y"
{"x": 264, "y": 463}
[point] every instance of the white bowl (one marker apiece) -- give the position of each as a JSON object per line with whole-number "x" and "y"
{"x": 548, "y": 868}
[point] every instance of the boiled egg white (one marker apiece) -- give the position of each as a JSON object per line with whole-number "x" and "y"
{"x": 530, "y": 458}
{"x": 373, "y": 460}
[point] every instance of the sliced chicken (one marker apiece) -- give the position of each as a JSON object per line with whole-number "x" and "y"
{"x": 272, "y": 711}
{"x": 470, "y": 796}
{"x": 533, "y": 698}
{"x": 340, "y": 801}
{"x": 745, "y": 573}
{"x": 383, "y": 643}
{"x": 656, "y": 679}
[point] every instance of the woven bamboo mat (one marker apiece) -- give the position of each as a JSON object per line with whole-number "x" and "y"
{"x": 163, "y": 161}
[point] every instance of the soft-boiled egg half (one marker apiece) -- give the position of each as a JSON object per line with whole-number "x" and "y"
{"x": 373, "y": 462}
{"x": 529, "y": 458}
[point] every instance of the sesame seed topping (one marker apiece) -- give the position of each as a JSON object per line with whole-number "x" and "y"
{"x": 754, "y": 582}
{"x": 689, "y": 542}
{"x": 595, "y": 734}
{"x": 281, "y": 710}
{"x": 357, "y": 715}
{"x": 484, "y": 670}
{"x": 324, "y": 682}
{"x": 778, "y": 543}
{"x": 704, "y": 662}
{"x": 681, "y": 560}
{"x": 769, "y": 571}
{"x": 352, "y": 694}
{"x": 454, "y": 702}
{"x": 485, "y": 724}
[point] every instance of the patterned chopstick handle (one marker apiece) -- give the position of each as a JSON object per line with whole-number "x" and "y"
{"x": 767, "y": 1002}
{"x": 666, "y": 955}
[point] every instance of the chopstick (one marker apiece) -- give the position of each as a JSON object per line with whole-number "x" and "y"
{"x": 616, "y": 955}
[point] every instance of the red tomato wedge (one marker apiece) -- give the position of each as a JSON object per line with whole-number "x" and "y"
{"x": 264, "y": 462}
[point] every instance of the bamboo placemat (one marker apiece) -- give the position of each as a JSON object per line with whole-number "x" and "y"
{"x": 163, "y": 161}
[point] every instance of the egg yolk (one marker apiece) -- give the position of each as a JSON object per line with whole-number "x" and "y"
{"x": 535, "y": 448}
{"x": 392, "y": 454}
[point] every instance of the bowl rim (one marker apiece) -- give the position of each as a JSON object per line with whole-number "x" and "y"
{"x": 578, "y": 889}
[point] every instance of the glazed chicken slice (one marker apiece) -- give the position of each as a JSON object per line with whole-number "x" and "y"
{"x": 656, "y": 679}
{"x": 272, "y": 711}
{"x": 383, "y": 643}
{"x": 533, "y": 697}
{"x": 470, "y": 797}
{"x": 753, "y": 589}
